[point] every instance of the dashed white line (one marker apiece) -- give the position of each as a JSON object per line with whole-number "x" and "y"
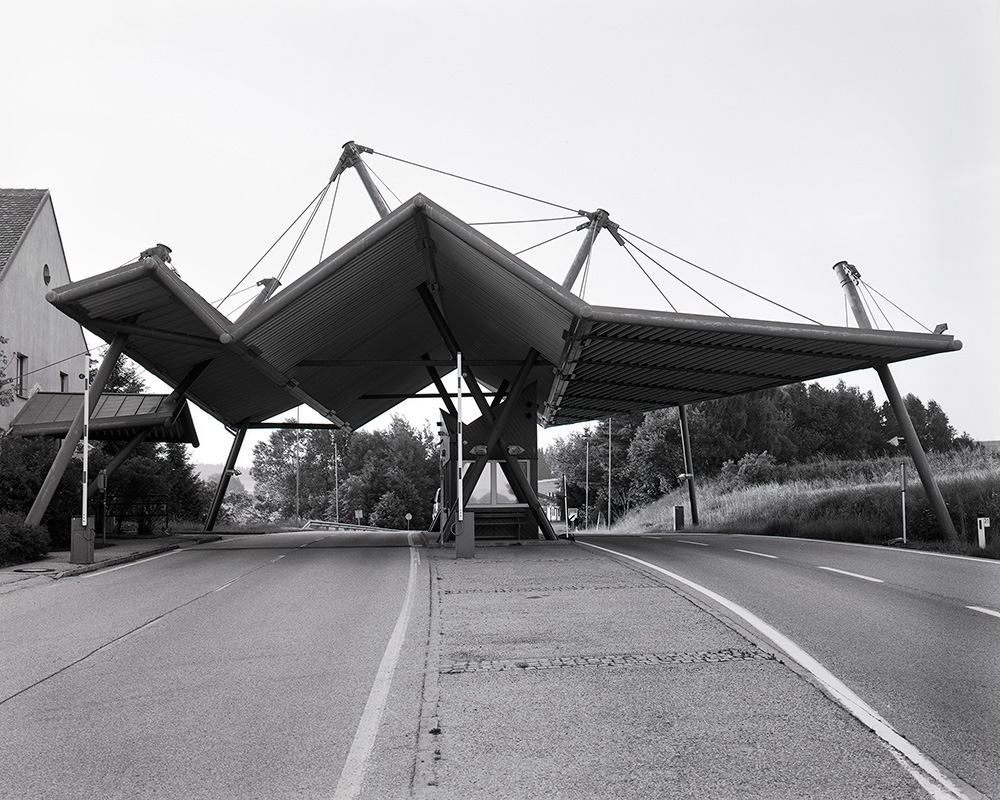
{"x": 754, "y": 553}
{"x": 852, "y": 574}
{"x": 688, "y": 541}
{"x": 982, "y": 610}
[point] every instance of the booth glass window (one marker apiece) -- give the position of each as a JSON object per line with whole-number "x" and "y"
{"x": 482, "y": 495}
{"x": 493, "y": 488}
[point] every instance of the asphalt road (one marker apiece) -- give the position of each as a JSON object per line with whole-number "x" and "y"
{"x": 915, "y": 636}
{"x": 238, "y": 669}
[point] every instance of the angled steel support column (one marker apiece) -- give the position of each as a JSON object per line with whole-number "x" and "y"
{"x": 176, "y": 395}
{"x": 596, "y": 221}
{"x": 75, "y": 433}
{"x": 848, "y": 275}
{"x": 351, "y": 157}
{"x": 509, "y": 465}
{"x": 227, "y": 473}
{"x": 442, "y": 389}
{"x": 500, "y": 423}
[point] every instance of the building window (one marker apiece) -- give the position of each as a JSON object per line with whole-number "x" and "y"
{"x": 19, "y": 376}
{"x": 46, "y": 275}
{"x": 63, "y": 382}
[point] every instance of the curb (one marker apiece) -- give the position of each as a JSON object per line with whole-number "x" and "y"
{"x": 125, "y": 559}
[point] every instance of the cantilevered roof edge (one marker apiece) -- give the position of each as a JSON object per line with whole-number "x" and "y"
{"x": 66, "y": 296}
{"x": 928, "y": 342}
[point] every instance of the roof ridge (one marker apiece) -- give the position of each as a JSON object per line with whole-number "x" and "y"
{"x": 18, "y": 208}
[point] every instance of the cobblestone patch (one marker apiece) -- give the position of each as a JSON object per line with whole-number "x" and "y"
{"x": 550, "y": 588}
{"x": 608, "y": 660}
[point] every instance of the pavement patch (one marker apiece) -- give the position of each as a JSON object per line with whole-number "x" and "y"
{"x": 608, "y": 660}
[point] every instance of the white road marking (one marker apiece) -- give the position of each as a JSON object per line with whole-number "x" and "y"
{"x": 129, "y": 564}
{"x": 700, "y": 544}
{"x": 852, "y": 574}
{"x": 982, "y": 610}
{"x": 352, "y": 776}
{"x": 833, "y": 685}
{"x": 753, "y": 553}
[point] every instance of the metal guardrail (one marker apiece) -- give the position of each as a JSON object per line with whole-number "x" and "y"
{"x": 325, "y": 525}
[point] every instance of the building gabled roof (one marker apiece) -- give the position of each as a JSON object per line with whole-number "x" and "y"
{"x": 18, "y": 208}
{"x": 356, "y": 334}
{"x": 116, "y": 416}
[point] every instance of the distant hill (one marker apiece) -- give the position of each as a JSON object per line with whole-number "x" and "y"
{"x": 213, "y": 471}
{"x": 992, "y": 446}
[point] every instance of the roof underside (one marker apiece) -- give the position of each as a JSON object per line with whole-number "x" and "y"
{"x": 356, "y": 335}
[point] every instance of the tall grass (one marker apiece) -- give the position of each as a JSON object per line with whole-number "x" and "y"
{"x": 851, "y": 501}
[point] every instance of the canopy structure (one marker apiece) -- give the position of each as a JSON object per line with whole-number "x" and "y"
{"x": 380, "y": 320}
{"x": 357, "y": 334}
{"x": 116, "y": 417}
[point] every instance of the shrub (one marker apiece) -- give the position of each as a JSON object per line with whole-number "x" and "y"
{"x": 20, "y": 543}
{"x": 754, "y": 469}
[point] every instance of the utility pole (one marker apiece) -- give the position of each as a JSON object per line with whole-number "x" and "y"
{"x": 609, "y": 472}
{"x": 688, "y": 462}
{"x": 586, "y": 488}
{"x": 849, "y": 278}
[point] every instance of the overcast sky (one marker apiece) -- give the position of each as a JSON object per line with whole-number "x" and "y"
{"x": 764, "y": 140}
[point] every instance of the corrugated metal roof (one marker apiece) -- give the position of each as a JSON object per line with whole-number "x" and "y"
{"x": 116, "y": 416}
{"x": 349, "y": 336}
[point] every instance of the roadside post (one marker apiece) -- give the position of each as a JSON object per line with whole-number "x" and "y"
{"x": 678, "y": 518}
{"x": 902, "y": 489}
{"x": 982, "y": 523}
{"x": 82, "y": 528}
{"x": 896, "y": 441}
{"x": 465, "y": 525}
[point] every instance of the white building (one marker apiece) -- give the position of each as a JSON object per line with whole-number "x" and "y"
{"x": 45, "y": 349}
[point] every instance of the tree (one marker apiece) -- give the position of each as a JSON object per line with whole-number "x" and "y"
{"x": 400, "y": 461}
{"x": 24, "y": 463}
{"x": 656, "y": 456}
{"x": 6, "y": 387}
{"x": 188, "y": 497}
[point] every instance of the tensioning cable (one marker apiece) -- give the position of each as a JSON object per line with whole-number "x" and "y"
{"x": 478, "y": 183}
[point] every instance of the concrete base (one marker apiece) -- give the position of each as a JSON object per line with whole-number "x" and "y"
{"x": 465, "y": 536}
{"x": 81, "y": 543}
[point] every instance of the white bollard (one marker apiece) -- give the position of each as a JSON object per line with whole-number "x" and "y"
{"x": 984, "y": 523}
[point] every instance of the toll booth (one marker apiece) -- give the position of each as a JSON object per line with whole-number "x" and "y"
{"x": 501, "y": 511}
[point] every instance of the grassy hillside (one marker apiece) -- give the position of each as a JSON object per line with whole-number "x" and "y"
{"x": 853, "y": 501}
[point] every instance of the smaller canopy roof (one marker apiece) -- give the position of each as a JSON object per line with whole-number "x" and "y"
{"x": 116, "y": 417}
{"x": 361, "y": 331}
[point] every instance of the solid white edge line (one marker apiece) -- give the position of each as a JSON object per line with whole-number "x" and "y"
{"x": 754, "y": 553}
{"x": 352, "y": 775}
{"x": 145, "y": 560}
{"x": 982, "y": 610}
{"x": 852, "y": 574}
{"x": 837, "y": 688}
